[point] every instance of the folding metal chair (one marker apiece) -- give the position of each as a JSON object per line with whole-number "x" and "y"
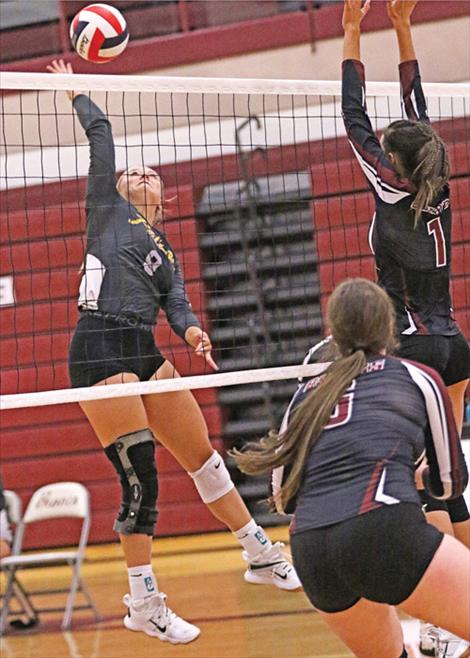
{"x": 53, "y": 501}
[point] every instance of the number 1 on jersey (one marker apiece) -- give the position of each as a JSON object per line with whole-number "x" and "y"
{"x": 435, "y": 229}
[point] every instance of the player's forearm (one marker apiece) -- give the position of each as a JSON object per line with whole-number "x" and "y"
{"x": 87, "y": 111}
{"x": 414, "y": 100}
{"x": 182, "y": 319}
{"x": 351, "y": 43}
{"x": 405, "y": 42}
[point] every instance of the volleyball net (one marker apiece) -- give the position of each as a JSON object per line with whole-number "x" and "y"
{"x": 269, "y": 213}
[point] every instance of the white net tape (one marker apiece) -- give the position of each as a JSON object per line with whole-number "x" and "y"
{"x": 252, "y": 86}
{"x": 44, "y": 398}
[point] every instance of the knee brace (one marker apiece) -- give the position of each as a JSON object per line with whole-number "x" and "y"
{"x": 133, "y": 457}
{"x": 458, "y": 510}
{"x": 430, "y": 504}
{"x": 212, "y": 480}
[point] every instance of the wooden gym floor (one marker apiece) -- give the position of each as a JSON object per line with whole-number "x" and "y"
{"x": 203, "y": 577}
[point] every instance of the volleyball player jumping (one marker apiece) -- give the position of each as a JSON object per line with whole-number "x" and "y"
{"x": 350, "y": 438}
{"x": 130, "y": 272}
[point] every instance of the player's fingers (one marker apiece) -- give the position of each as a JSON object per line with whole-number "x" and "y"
{"x": 206, "y": 355}
{"x": 204, "y": 342}
{"x": 203, "y": 348}
{"x": 58, "y": 66}
{"x": 52, "y": 67}
{"x": 210, "y": 361}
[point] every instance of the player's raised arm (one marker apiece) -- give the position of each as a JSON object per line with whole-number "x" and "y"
{"x": 399, "y": 12}
{"x": 59, "y": 66}
{"x": 414, "y": 102}
{"x": 102, "y": 169}
{"x": 353, "y": 104}
{"x": 353, "y": 13}
{"x": 382, "y": 175}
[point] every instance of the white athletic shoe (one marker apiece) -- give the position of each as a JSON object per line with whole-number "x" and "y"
{"x": 428, "y": 638}
{"x": 450, "y": 646}
{"x": 271, "y": 567}
{"x": 154, "y": 617}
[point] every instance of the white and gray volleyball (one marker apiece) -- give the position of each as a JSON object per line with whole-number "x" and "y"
{"x": 99, "y": 33}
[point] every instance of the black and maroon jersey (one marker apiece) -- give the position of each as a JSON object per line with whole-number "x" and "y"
{"x": 413, "y": 264}
{"x": 130, "y": 269}
{"x": 365, "y": 458}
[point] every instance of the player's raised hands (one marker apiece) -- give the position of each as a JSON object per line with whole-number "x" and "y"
{"x": 353, "y": 13}
{"x": 59, "y": 66}
{"x": 399, "y": 11}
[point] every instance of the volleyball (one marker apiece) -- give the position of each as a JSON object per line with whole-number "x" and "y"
{"x": 99, "y": 33}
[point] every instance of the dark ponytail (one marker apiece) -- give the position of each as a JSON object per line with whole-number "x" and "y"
{"x": 423, "y": 157}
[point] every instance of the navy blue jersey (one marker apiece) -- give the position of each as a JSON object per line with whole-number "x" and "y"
{"x": 413, "y": 264}
{"x": 322, "y": 352}
{"x": 130, "y": 269}
{"x": 365, "y": 458}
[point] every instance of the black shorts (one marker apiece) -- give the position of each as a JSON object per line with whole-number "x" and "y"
{"x": 102, "y": 347}
{"x": 380, "y": 556}
{"x": 449, "y": 355}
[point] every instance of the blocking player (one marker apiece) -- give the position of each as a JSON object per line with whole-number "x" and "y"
{"x": 408, "y": 173}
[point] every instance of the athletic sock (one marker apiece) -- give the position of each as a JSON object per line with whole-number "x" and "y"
{"x": 253, "y": 538}
{"x": 142, "y": 581}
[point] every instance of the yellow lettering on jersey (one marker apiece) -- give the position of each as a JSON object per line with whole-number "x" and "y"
{"x": 156, "y": 238}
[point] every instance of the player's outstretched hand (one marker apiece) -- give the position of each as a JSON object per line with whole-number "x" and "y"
{"x": 59, "y": 66}
{"x": 201, "y": 342}
{"x": 353, "y": 13}
{"x": 399, "y": 11}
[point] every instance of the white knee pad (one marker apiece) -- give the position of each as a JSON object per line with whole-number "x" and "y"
{"x": 212, "y": 480}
